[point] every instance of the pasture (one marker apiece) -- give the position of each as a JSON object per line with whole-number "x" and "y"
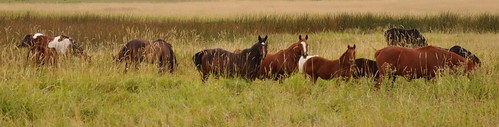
{"x": 98, "y": 93}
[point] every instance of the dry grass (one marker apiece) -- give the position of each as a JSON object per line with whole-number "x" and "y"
{"x": 244, "y": 8}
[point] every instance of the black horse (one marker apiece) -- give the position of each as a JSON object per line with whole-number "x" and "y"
{"x": 221, "y": 62}
{"x": 405, "y": 38}
{"x": 365, "y": 68}
{"x": 465, "y": 53}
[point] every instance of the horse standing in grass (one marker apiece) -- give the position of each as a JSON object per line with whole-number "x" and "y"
{"x": 42, "y": 53}
{"x": 227, "y": 64}
{"x": 62, "y": 44}
{"x": 316, "y": 67}
{"x": 405, "y": 38}
{"x": 136, "y": 51}
{"x": 281, "y": 64}
{"x": 365, "y": 68}
{"x": 422, "y": 62}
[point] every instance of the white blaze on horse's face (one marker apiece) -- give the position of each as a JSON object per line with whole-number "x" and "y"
{"x": 304, "y": 45}
{"x": 36, "y": 35}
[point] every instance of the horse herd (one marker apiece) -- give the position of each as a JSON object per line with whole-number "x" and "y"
{"x": 414, "y": 59}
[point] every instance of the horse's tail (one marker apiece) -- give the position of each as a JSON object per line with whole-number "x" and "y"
{"x": 173, "y": 61}
{"x": 197, "y": 59}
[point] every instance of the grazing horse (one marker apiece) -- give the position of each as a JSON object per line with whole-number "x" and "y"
{"x": 405, "y": 38}
{"x": 316, "y": 67}
{"x": 281, "y": 64}
{"x": 137, "y": 51}
{"x": 422, "y": 62}
{"x": 227, "y": 64}
{"x": 465, "y": 53}
{"x": 42, "y": 53}
{"x": 365, "y": 68}
{"x": 62, "y": 44}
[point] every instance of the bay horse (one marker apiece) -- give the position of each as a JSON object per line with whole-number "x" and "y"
{"x": 220, "y": 62}
{"x": 281, "y": 64}
{"x": 422, "y": 62}
{"x": 137, "y": 51}
{"x": 319, "y": 67}
{"x": 405, "y": 37}
{"x": 365, "y": 68}
{"x": 465, "y": 53}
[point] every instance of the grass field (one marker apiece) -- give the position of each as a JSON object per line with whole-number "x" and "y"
{"x": 97, "y": 93}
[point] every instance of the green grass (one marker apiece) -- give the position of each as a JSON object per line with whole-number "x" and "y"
{"x": 79, "y": 93}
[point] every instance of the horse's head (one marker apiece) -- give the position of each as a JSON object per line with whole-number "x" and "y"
{"x": 262, "y": 45}
{"x": 350, "y": 54}
{"x": 303, "y": 46}
{"x": 27, "y": 41}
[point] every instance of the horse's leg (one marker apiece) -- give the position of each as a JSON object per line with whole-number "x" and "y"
{"x": 313, "y": 78}
{"x": 161, "y": 66}
{"x": 126, "y": 66}
{"x": 205, "y": 77}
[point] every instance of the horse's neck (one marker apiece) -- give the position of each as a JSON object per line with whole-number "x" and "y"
{"x": 344, "y": 60}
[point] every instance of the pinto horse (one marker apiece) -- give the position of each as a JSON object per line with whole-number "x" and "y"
{"x": 316, "y": 67}
{"x": 365, "y": 68}
{"x": 42, "y": 53}
{"x": 422, "y": 62}
{"x": 465, "y": 53}
{"x": 137, "y": 51}
{"x": 281, "y": 64}
{"x": 62, "y": 44}
{"x": 221, "y": 62}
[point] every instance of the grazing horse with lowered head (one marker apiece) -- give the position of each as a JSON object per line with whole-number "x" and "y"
{"x": 62, "y": 44}
{"x": 465, "y": 53}
{"x": 365, "y": 68}
{"x": 405, "y": 38}
{"x": 221, "y": 62}
{"x": 137, "y": 51}
{"x": 316, "y": 67}
{"x": 422, "y": 62}
{"x": 281, "y": 64}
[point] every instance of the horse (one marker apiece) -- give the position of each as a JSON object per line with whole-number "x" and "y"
{"x": 365, "y": 68}
{"x": 465, "y": 53}
{"x": 422, "y": 62}
{"x": 319, "y": 67}
{"x": 41, "y": 52}
{"x": 220, "y": 62}
{"x": 137, "y": 51}
{"x": 405, "y": 38}
{"x": 62, "y": 44}
{"x": 281, "y": 64}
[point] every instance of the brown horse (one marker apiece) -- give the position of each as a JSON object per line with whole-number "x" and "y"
{"x": 136, "y": 51}
{"x": 281, "y": 64}
{"x": 41, "y": 52}
{"x": 365, "y": 68}
{"x": 316, "y": 67}
{"x": 62, "y": 44}
{"x": 422, "y": 62}
{"x": 227, "y": 64}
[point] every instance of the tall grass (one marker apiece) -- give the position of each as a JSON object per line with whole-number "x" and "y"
{"x": 79, "y": 93}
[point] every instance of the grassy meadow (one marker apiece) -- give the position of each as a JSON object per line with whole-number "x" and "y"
{"x": 98, "y": 93}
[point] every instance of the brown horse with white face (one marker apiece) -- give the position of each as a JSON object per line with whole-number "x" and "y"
{"x": 281, "y": 64}
{"x": 422, "y": 62}
{"x": 137, "y": 51}
{"x": 220, "y": 62}
{"x": 316, "y": 67}
{"x": 41, "y": 52}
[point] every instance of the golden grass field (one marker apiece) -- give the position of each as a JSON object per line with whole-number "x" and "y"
{"x": 98, "y": 93}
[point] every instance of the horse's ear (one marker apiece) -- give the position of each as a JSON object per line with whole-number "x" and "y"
{"x": 348, "y": 46}
{"x": 299, "y": 37}
{"x": 353, "y": 46}
{"x": 259, "y": 38}
{"x": 265, "y": 39}
{"x": 306, "y": 37}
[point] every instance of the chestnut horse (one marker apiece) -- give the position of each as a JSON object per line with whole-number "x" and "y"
{"x": 281, "y": 64}
{"x": 422, "y": 62}
{"x": 317, "y": 66}
{"x": 42, "y": 53}
{"x": 137, "y": 51}
{"x": 221, "y": 62}
{"x": 365, "y": 68}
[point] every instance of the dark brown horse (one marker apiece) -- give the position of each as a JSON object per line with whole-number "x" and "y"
{"x": 137, "y": 51}
{"x": 405, "y": 38}
{"x": 281, "y": 64}
{"x": 316, "y": 67}
{"x": 465, "y": 53}
{"x": 365, "y": 68}
{"x": 227, "y": 64}
{"x": 422, "y": 62}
